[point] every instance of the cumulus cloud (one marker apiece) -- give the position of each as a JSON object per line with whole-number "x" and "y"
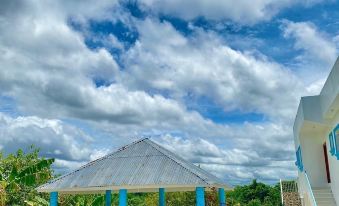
{"x": 55, "y": 138}
{"x": 51, "y": 74}
{"x": 311, "y": 41}
{"x": 311, "y": 64}
{"x": 241, "y": 11}
{"x": 236, "y": 165}
{"x": 165, "y": 60}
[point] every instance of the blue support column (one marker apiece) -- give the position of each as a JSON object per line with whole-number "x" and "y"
{"x": 53, "y": 199}
{"x": 123, "y": 197}
{"x": 222, "y": 197}
{"x": 108, "y": 198}
{"x": 200, "y": 196}
{"x": 162, "y": 198}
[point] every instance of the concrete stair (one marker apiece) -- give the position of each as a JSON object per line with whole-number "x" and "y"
{"x": 324, "y": 196}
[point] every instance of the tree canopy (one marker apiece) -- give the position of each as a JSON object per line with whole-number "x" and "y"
{"x": 20, "y": 174}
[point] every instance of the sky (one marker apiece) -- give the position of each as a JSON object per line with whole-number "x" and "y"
{"x": 217, "y": 82}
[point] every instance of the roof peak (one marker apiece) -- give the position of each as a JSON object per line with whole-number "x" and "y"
{"x": 142, "y": 163}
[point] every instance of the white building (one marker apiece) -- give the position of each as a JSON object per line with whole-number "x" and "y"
{"x": 316, "y": 136}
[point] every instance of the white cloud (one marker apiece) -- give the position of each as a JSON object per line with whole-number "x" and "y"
{"x": 55, "y": 138}
{"x": 49, "y": 71}
{"x": 235, "y": 165}
{"x": 203, "y": 65}
{"x": 317, "y": 53}
{"x": 241, "y": 11}
{"x": 309, "y": 39}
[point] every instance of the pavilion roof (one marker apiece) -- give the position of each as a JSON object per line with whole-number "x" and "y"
{"x": 142, "y": 166}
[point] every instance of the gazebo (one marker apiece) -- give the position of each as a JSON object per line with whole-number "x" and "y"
{"x": 142, "y": 166}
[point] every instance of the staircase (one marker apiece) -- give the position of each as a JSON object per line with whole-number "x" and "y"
{"x": 323, "y": 196}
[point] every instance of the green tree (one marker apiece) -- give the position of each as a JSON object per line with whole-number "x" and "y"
{"x": 20, "y": 174}
{"x": 255, "y": 194}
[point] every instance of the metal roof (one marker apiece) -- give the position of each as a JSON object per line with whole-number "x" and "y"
{"x": 142, "y": 166}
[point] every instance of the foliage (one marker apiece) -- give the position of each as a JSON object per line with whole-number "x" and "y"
{"x": 20, "y": 174}
{"x": 80, "y": 200}
{"x": 255, "y": 194}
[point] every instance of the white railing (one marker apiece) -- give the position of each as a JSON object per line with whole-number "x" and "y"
{"x": 309, "y": 188}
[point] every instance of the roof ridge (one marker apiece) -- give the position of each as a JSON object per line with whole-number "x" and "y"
{"x": 174, "y": 159}
{"x": 96, "y": 160}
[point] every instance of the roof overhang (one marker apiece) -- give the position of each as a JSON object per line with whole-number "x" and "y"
{"x": 309, "y": 115}
{"x": 316, "y": 112}
{"x": 135, "y": 189}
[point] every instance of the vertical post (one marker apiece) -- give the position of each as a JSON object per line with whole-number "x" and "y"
{"x": 222, "y": 197}
{"x": 123, "y": 197}
{"x": 281, "y": 193}
{"x": 162, "y": 198}
{"x": 108, "y": 197}
{"x": 200, "y": 196}
{"x": 53, "y": 199}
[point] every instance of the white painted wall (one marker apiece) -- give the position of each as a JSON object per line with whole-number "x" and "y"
{"x": 313, "y": 157}
{"x": 316, "y": 117}
{"x": 334, "y": 165}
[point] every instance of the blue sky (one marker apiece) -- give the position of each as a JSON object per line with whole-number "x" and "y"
{"x": 217, "y": 82}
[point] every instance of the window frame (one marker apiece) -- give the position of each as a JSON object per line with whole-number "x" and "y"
{"x": 299, "y": 162}
{"x": 330, "y": 137}
{"x": 335, "y": 138}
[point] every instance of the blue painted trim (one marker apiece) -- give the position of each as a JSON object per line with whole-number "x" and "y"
{"x": 200, "y": 196}
{"x": 53, "y": 199}
{"x": 108, "y": 197}
{"x": 162, "y": 198}
{"x": 299, "y": 162}
{"x": 222, "y": 197}
{"x": 330, "y": 136}
{"x": 335, "y": 143}
{"x": 123, "y": 197}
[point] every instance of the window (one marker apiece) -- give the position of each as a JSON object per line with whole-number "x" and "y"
{"x": 331, "y": 139}
{"x": 299, "y": 162}
{"x": 336, "y": 140}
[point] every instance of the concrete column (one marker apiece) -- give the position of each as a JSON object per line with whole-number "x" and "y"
{"x": 53, "y": 199}
{"x": 200, "y": 196}
{"x": 108, "y": 198}
{"x": 162, "y": 198}
{"x": 123, "y": 197}
{"x": 222, "y": 197}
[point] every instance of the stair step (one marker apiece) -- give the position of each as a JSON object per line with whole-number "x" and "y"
{"x": 324, "y": 196}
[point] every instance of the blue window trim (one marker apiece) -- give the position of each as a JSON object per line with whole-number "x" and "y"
{"x": 335, "y": 138}
{"x": 330, "y": 137}
{"x": 299, "y": 162}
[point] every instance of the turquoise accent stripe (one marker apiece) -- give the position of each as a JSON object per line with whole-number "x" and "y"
{"x": 335, "y": 143}
{"x": 53, "y": 199}
{"x": 330, "y": 136}
{"x": 222, "y": 197}
{"x": 200, "y": 196}
{"x": 123, "y": 197}
{"x": 108, "y": 197}
{"x": 162, "y": 199}
{"x": 299, "y": 162}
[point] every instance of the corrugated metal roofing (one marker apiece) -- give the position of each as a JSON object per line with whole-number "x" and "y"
{"x": 140, "y": 166}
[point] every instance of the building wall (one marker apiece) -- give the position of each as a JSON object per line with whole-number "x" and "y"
{"x": 313, "y": 157}
{"x": 334, "y": 164}
{"x": 317, "y": 116}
